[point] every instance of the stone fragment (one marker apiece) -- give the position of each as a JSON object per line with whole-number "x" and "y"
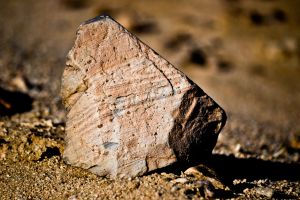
{"x": 264, "y": 191}
{"x": 203, "y": 173}
{"x": 180, "y": 180}
{"x": 129, "y": 110}
{"x": 19, "y": 83}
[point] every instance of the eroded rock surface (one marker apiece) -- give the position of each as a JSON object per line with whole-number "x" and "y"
{"x": 129, "y": 110}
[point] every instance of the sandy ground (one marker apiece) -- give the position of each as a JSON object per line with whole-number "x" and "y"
{"x": 245, "y": 54}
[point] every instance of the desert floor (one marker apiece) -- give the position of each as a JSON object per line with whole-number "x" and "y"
{"x": 244, "y": 54}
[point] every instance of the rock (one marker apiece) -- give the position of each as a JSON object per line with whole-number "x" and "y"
{"x": 129, "y": 110}
{"x": 73, "y": 197}
{"x": 207, "y": 189}
{"x": 264, "y": 191}
{"x": 19, "y": 83}
{"x": 180, "y": 180}
{"x": 175, "y": 188}
{"x": 203, "y": 173}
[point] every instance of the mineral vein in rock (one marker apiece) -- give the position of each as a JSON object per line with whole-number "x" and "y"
{"x": 129, "y": 110}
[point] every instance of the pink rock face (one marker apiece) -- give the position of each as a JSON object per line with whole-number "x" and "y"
{"x": 129, "y": 110}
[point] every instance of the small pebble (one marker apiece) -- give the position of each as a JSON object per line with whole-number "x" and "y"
{"x": 73, "y": 197}
{"x": 174, "y": 188}
{"x": 192, "y": 171}
{"x": 180, "y": 180}
{"x": 239, "y": 181}
{"x": 237, "y": 148}
{"x": 279, "y": 153}
{"x": 19, "y": 83}
{"x": 209, "y": 191}
{"x": 264, "y": 191}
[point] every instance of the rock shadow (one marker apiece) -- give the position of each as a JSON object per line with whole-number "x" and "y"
{"x": 12, "y": 102}
{"x": 229, "y": 168}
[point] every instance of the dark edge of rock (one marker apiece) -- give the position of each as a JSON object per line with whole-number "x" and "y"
{"x": 193, "y": 139}
{"x": 98, "y": 18}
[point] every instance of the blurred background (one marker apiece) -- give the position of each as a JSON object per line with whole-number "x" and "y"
{"x": 243, "y": 53}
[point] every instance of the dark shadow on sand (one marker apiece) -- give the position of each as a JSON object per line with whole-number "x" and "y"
{"x": 229, "y": 168}
{"x": 12, "y": 102}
